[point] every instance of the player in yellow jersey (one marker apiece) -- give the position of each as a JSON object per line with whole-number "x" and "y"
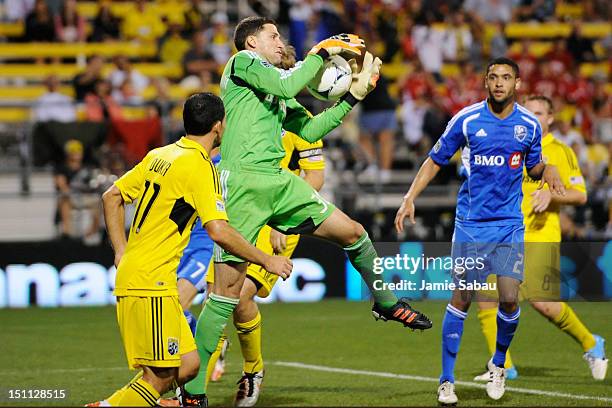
{"x": 172, "y": 185}
{"x": 542, "y": 240}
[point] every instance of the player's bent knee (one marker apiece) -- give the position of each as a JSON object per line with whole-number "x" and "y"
{"x": 542, "y": 307}
{"x": 509, "y": 305}
{"x": 190, "y": 364}
{"x": 160, "y": 378}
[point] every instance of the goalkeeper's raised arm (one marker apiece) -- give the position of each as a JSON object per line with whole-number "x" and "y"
{"x": 260, "y": 51}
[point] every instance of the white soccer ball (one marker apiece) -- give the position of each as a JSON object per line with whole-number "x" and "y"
{"x": 333, "y": 80}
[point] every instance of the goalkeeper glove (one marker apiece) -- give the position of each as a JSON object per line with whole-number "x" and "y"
{"x": 365, "y": 81}
{"x": 342, "y": 44}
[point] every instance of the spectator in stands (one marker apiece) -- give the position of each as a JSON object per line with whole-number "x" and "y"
{"x": 69, "y": 24}
{"x": 142, "y": 24}
{"x": 430, "y": 43}
{"x": 123, "y": 72}
{"x": 39, "y": 23}
{"x": 457, "y": 39}
{"x": 566, "y": 134}
{"x": 498, "y": 47}
{"x": 386, "y": 29}
{"x": 490, "y": 11}
{"x": 199, "y": 58}
{"x": 72, "y": 179}
{"x": 219, "y": 38}
{"x": 377, "y": 121}
{"x": 17, "y": 10}
{"x": 127, "y": 94}
{"x": 85, "y": 81}
{"x": 539, "y": 10}
{"x": 100, "y": 105}
{"x": 559, "y": 57}
{"x": 194, "y": 18}
{"x": 53, "y": 105}
{"x": 173, "y": 46}
{"x": 300, "y": 13}
{"x": 580, "y": 47}
{"x": 106, "y": 24}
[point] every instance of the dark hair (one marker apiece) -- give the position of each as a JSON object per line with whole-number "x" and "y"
{"x": 200, "y": 113}
{"x": 504, "y": 61}
{"x": 541, "y": 98}
{"x": 249, "y": 26}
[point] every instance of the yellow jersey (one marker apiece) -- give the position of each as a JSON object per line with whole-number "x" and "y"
{"x": 300, "y": 154}
{"x": 545, "y": 226}
{"x": 172, "y": 185}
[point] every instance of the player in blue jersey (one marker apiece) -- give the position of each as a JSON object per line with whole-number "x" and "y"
{"x": 497, "y": 137}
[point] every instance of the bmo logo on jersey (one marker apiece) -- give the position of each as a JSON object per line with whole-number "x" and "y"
{"x": 482, "y": 160}
{"x": 515, "y": 160}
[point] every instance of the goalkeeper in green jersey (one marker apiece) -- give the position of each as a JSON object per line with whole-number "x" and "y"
{"x": 260, "y": 101}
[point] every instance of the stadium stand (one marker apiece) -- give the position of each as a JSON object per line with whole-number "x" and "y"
{"x": 564, "y": 52}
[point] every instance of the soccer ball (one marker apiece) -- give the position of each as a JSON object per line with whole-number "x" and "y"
{"x": 333, "y": 80}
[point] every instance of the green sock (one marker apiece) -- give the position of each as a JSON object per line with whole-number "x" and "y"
{"x": 362, "y": 254}
{"x": 211, "y": 324}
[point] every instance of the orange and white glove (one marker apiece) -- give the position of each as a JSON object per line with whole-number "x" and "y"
{"x": 364, "y": 81}
{"x": 347, "y": 45}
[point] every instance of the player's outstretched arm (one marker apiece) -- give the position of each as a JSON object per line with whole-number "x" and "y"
{"x": 114, "y": 217}
{"x": 426, "y": 173}
{"x": 549, "y": 174}
{"x": 231, "y": 240}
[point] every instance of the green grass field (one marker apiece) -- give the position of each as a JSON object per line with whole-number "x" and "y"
{"x": 79, "y": 350}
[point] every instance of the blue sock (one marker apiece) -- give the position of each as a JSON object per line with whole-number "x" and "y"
{"x": 452, "y": 330}
{"x": 191, "y": 320}
{"x": 506, "y": 326}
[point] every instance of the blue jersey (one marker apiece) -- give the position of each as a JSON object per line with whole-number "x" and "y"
{"x": 493, "y": 154}
{"x": 200, "y": 245}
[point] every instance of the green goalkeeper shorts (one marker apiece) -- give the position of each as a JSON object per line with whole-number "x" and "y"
{"x": 256, "y": 196}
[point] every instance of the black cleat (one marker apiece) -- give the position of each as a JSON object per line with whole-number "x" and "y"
{"x": 403, "y": 313}
{"x": 193, "y": 400}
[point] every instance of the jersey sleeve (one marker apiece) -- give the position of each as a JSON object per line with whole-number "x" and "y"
{"x": 313, "y": 128}
{"x": 310, "y": 154}
{"x": 262, "y": 76}
{"x": 571, "y": 176}
{"x": 451, "y": 140}
{"x": 533, "y": 155}
{"x": 131, "y": 182}
{"x": 205, "y": 193}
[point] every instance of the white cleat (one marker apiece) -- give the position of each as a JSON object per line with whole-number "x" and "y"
{"x": 446, "y": 393}
{"x": 596, "y": 357}
{"x": 219, "y": 368}
{"x": 249, "y": 387}
{"x": 496, "y": 386}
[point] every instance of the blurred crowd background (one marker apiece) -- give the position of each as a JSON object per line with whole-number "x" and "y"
{"x": 87, "y": 87}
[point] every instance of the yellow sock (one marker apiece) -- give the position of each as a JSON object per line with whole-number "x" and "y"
{"x": 488, "y": 324}
{"x": 213, "y": 358}
{"x": 571, "y": 324}
{"x": 136, "y": 394}
{"x": 116, "y": 397}
{"x": 249, "y": 334}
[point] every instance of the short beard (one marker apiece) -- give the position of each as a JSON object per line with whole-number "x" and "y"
{"x": 499, "y": 106}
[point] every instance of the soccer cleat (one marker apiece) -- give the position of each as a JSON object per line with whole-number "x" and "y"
{"x": 103, "y": 403}
{"x": 496, "y": 386}
{"x": 169, "y": 402}
{"x": 511, "y": 374}
{"x": 596, "y": 357}
{"x": 193, "y": 400}
{"x": 249, "y": 387}
{"x": 403, "y": 313}
{"x": 219, "y": 368}
{"x": 446, "y": 394}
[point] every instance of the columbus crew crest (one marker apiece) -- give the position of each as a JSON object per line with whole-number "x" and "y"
{"x": 173, "y": 346}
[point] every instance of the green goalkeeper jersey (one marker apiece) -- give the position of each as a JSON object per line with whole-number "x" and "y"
{"x": 259, "y": 101}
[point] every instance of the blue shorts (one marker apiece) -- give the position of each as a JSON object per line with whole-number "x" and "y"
{"x": 377, "y": 121}
{"x": 479, "y": 251}
{"x": 194, "y": 268}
